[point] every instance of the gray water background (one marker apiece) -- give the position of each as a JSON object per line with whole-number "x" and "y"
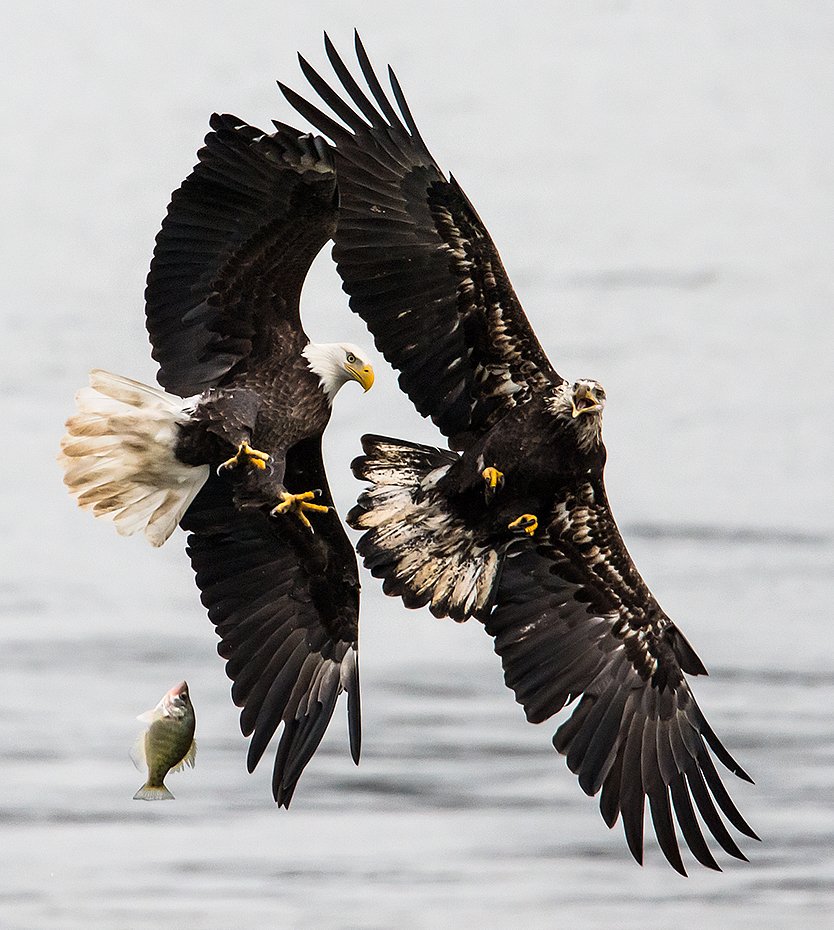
{"x": 660, "y": 181}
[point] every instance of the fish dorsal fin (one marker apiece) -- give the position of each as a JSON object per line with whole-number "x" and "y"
{"x": 188, "y": 759}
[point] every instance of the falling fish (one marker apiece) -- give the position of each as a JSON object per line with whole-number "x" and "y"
{"x": 167, "y": 745}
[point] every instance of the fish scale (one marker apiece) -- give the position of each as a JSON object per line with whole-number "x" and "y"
{"x": 166, "y": 743}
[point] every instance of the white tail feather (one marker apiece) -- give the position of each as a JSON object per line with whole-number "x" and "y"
{"x": 118, "y": 456}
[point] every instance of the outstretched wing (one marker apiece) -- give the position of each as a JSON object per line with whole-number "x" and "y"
{"x": 285, "y": 602}
{"x": 419, "y": 265}
{"x": 234, "y": 249}
{"x": 574, "y": 619}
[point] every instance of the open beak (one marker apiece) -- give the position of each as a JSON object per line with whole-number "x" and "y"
{"x": 585, "y": 402}
{"x": 365, "y": 376}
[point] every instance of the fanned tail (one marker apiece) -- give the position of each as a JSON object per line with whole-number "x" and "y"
{"x": 118, "y": 456}
{"x": 423, "y": 550}
{"x": 153, "y": 793}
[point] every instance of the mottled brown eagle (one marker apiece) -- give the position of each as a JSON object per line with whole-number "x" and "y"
{"x": 231, "y": 449}
{"x": 514, "y": 526}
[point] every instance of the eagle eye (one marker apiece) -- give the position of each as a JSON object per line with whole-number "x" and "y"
{"x": 351, "y": 358}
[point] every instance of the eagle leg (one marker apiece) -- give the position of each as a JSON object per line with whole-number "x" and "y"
{"x": 298, "y": 504}
{"x": 494, "y": 481}
{"x": 245, "y": 455}
{"x": 527, "y": 523}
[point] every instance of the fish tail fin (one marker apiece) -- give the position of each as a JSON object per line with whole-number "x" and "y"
{"x": 150, "y": 792}
{"x": 118, "y": 456}
{"x": 424, "y": 551}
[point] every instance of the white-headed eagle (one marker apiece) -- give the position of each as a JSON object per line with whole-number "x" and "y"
{"x": 515, "y": 530}
{"x": 231, "y": 449}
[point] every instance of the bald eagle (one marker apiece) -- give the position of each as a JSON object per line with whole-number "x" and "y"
{"x": 511, "y": 524}
{"x": 231, "y": 448}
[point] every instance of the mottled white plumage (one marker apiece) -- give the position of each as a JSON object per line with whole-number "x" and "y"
{"x": 435, "y": 560}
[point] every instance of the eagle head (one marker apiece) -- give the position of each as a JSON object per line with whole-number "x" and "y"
{"x": 579, "y": 406}
{"x": 336, "y": 363}
{"x": 587, "y": 397}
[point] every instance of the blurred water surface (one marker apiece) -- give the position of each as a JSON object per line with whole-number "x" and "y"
{"x": 660, "y": 183}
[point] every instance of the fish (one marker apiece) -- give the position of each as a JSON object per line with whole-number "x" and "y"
{"x": 168, "y": 745}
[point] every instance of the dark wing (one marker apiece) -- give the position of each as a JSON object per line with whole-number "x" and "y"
{"x": 419, "y": 265}
{"x": 233, "y": 251}
{"x": 573, "y": 618}
{"x": 285, "y": 602}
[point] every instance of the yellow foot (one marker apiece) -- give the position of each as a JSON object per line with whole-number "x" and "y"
{"x": 526, "y": 523}
{"x": 245, "y": 455}
{"x": 494, "y": 482}
{"x": 298, "y": 504}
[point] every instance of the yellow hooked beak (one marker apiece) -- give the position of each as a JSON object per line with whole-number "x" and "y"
{"x": 364, "y": 375}
{"x": 585, "y": 401}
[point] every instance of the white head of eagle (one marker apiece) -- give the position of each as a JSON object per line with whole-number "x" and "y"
{"x": 336, "y": 363}
{"x": 580, "y": 405}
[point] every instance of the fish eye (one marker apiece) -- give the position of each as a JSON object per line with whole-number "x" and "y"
{"x": 351, "y": 358}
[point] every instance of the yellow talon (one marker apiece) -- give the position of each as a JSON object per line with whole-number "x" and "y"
{"x": 527, "y": 523}
{"x": 492, "y": 476}
{"x": 245, "y": 454}
{"x": 289, "y": 500}
{"x": 298, "y": 504}
{"x": 316, "y": 508}
{"x": 494, "y": 481}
